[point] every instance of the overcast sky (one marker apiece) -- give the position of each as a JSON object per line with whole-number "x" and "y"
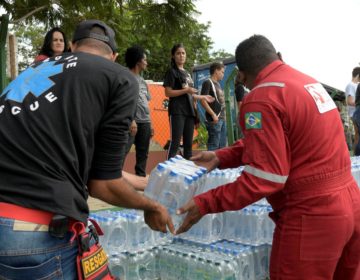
{"x": 317, "y": 37}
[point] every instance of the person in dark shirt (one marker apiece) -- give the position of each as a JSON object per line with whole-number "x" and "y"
{"x": 63, "y": 134}
{"x": 215, "y": 114}
{"x": 179, "y": 87}
{"x": 239, "y": 95}
{"x": 141, "y": 129}
{"x": 356, "y": 122}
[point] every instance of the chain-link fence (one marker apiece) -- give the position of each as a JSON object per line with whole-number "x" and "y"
{"x": 159, "y": 116}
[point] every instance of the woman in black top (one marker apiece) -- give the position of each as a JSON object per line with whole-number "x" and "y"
{"x": 179, "y": 88}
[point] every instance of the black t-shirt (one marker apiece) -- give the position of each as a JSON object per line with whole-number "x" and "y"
{"x": 183, "y": 104}
{"x": 218, "y": 106}
{"x": 239, "y": 92}
{"x": 64, "y": 121}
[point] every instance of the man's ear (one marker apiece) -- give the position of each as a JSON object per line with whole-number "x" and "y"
{"x": 114, "y": 56}
{"x": 241, "y": 77}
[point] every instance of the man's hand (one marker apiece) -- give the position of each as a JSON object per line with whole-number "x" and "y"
{"x": 133, "y": 128}
{"x": 207, "y": 98}
{"x": 191, "y": 90}
{"x": 159, "y": 219}
{"x": 215, "y": 119}
{"x": 120, "y": 193}
{"x": 192, "y": 217}
{"x": 206, "y": 159}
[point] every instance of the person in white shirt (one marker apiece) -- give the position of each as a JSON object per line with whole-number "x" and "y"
{"x": 350, "y": 102}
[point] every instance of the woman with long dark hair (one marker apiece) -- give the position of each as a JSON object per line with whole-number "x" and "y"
{"x": 179, "y": 87}
{"x": 55, "y": 43}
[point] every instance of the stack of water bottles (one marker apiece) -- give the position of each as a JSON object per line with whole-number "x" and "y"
{"x": 184, "y": 259}
{"x": 250, "y": 225}
{"x": 173, "y": 183}
{"x": 126, "y": 231}
{"x": 233, "y": 245}
{"x": 230, "y": 245}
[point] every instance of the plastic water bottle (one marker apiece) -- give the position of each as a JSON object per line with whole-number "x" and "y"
{"x": 192, "y": 267}
{"x": 255, "y": 223}
{"x": 157, "y": 179}
{"x": 247, "y": 227}
{"x": 246, "y": 263}
{"x": 216, "y": 222}
{"x": 144, "y": 235}
{"x": 231, "y": 224}
{"x": 117, "y": 265}
{"x": 118, "y": 236}
{"x": 261, "y": 261}
{"x": 170, "y": 196}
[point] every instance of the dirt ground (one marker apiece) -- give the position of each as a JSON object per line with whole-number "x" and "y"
{"x": 96, "y": 204}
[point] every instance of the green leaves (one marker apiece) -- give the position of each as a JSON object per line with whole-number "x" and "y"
{"x": 156, "y": 27}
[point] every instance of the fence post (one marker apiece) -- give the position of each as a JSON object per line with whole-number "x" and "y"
{"x": 229, "y": 122}
{"x": 4, "y": 21}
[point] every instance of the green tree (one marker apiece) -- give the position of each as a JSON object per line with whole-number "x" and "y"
{"x": 220, "y": 54}
{"x": 156, "y": 27}
{"x": 30, "y": 39}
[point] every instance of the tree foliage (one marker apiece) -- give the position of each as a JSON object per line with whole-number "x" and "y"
{"x": 30, "y": 39}
{"x": 156, "y": 27}
{"x": 220, "y": 54}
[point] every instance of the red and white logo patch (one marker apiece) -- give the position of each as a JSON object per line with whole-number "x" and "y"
{"x": 321, "y": 97}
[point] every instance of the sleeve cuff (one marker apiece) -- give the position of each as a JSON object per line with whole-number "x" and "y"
{"x": 205, "y": 203}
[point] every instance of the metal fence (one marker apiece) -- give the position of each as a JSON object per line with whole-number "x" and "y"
{"x": 159, "y": 116}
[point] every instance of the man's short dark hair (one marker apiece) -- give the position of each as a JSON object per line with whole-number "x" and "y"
{"x": 254, "y": 53}
{"x": 133, "y": 55}
{"x": 356, "y": 72}
{"x": 216, "y": 66}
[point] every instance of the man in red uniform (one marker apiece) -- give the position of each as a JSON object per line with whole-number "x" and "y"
{"x": 295, "y": 155}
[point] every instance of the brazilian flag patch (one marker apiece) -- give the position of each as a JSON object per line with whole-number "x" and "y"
{"x": 253, "y": 120}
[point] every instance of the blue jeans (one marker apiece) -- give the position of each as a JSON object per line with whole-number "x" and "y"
{"x": 217, "y": 135}
{"x": 35, "y": 254}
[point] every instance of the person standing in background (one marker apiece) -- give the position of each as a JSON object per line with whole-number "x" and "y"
{"x": 141, "y": 129}
{"x": 356, "y": 122}
{"x": 239, "y": 95}
{"x": 350, "y": 101}
{"x": 179, "y": 87}
{"x": 55, "y": 43}
{"x": 215, "y": 111}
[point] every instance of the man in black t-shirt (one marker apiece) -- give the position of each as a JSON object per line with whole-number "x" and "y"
{"x": 63, "y": 133}
{"x": 215, "y": 111}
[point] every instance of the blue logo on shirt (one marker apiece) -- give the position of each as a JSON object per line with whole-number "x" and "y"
{"x": 33, "y": 80}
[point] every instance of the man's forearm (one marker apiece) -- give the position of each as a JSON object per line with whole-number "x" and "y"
{"x": 207, "y": 108}
{"x": 119, "y": 193}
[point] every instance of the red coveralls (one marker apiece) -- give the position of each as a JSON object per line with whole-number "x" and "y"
{"x": 295, "y": 155}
